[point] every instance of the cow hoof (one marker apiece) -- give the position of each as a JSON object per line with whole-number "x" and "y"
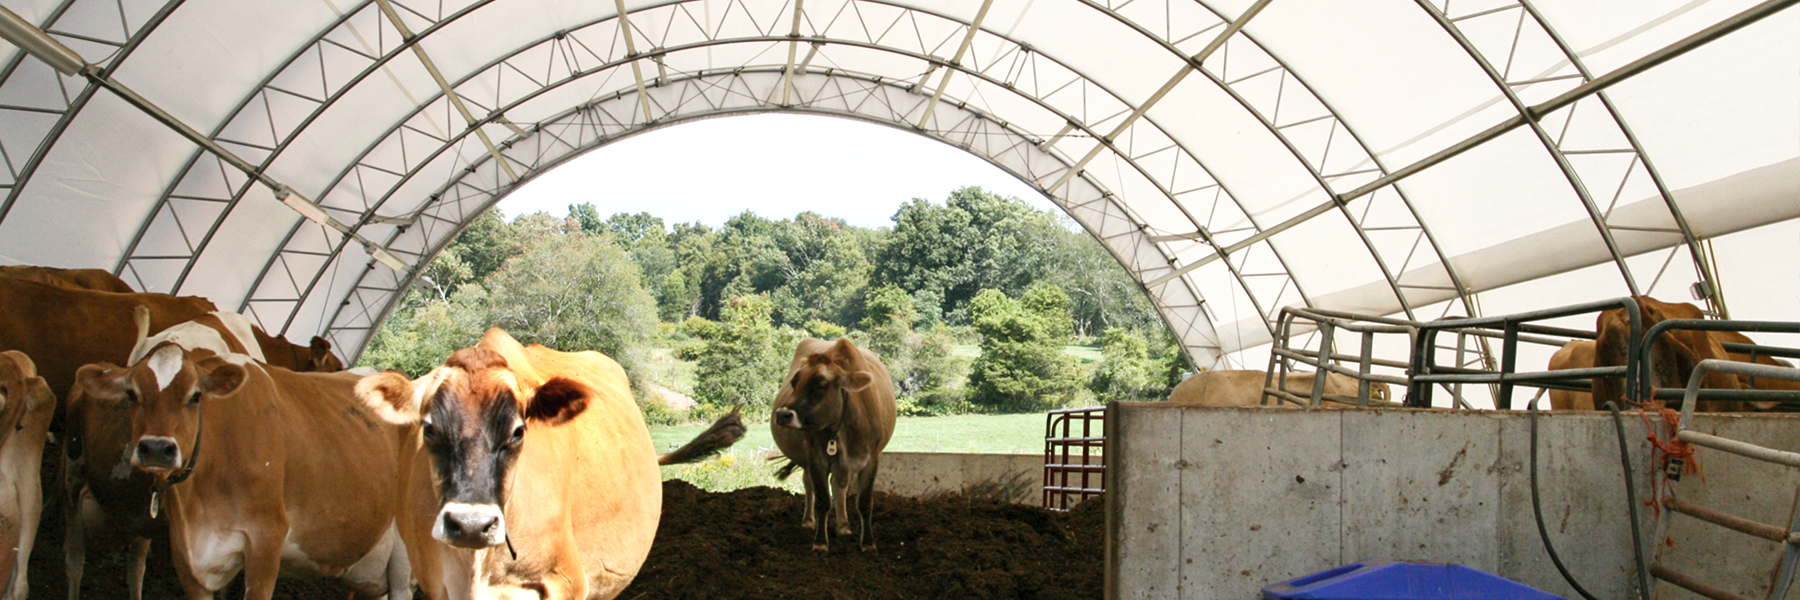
{"x": 845, "y": 530}
{"x": 868, "y": 547}
{"x": 821, "y": 548}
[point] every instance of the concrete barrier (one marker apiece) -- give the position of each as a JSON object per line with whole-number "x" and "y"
{"x": 1208, "y": 502}
{"x": 1016, "y": 478}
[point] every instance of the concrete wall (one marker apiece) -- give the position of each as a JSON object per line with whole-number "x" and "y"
{"x": 1016, "y": 478}
{"x": 1211, "y": 502}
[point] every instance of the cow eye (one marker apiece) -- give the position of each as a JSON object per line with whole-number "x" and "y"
{"x": 131, "y": 396}
{"x": 428, "y": 429}
{"x": 518, "y": 434}
{"x": 194, "y": 399}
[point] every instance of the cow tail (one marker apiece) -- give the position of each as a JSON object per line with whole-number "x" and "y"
{"x": 723, "y": 433}
{"x": 786, "y": 470}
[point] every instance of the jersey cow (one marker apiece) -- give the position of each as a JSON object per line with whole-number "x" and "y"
{"x": 1674, "y": 355}
{"x": 98, "y": 280}
{"x": 833, "y": 416}
{"x": 1577, "y": 354}
{"x": 1245, "y": 388}
{"x": 261, "y": 469}
{"x": 26, "y": 406}
{"x": 63, "y": 329}
{"x": 533, "y": 474}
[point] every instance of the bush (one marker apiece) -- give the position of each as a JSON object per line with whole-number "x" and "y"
{"x": 1022, "y": 367}
{"x": 742, "y": 358}
{"x": 1126, "y": 371}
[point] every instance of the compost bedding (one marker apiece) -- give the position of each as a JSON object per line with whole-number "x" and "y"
{"x": 749, "y": 544}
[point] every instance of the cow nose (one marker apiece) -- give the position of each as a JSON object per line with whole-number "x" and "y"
{"x": 471, "y": 525}
{"x": 157, "y": 452}
{"x": 787, "y": 418}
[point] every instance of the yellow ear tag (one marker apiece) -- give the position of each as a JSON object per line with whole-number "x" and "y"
{"x": 831, "y": 448}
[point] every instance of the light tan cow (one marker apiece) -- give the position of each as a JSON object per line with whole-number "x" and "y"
{"x": 1245, "y": 388}
{"x": 833, "y": 416}
{"x": 263, "y": 470}
{"x": 1577, "y": 354}
{"x": 533, "y": 475}
{"x": 26, "y": 406}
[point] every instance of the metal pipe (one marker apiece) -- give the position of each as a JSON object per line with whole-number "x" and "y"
{"x": 637, "y": 70}
{"x": 787, "y": 76}
{"x": 1691, "y": 584}
{"x": 449, "y": 93}
{"x": 1602, "y": 82}
{"x": 1733, "y": 522}
{"x": 956, "y": 60}
{"x": 1780, "y": 457}
{"x": 39, "y": 44}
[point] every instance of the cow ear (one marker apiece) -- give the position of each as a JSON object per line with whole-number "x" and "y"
{"x": 220, "y": 377}
{"x": 859, "y": 381}
{"x": 390, "y": 395}
{"x": 102, "y": 381}
{"x": 26, "y": 368}
{"x": 320, "y": 345}
{"x": 558, "y": 401}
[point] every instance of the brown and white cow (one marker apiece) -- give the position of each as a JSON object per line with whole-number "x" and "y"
{"x": 262, "y": 470}
{"x": 63, "y": 329}
{"x": 533, "y": 474}
{"x": 833, "y": 416}
{"x": 98, "y": 280}
{"x": 1245, "y": 388}
{"x": 1675, "y": 353}
{"x": 26, "y": 406}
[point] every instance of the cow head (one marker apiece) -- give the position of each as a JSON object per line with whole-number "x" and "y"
{"x": 821, "y": 385}
{"x": 321, "y": 359}
{"x": 22, "y": 392}
{"x": 474, "y": 416}
{"x": 163, "y": 394}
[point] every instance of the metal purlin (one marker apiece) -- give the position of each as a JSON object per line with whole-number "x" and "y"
{"x": 1322, "y": 179}
{"x": 1537, "y": 127}
{"x": 442, "y": 193}
{"x": 264, "y": 87}
{"x": 1701, "y": 266}
{"x": 315, "y": 279}
{"x": 75, "y": 104}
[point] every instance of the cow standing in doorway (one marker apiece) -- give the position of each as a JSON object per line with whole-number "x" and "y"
{"x": 833, "y": 416}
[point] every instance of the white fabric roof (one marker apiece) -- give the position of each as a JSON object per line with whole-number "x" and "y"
{"x": 1260, "y": 156}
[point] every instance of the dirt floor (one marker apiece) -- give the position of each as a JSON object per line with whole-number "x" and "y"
{"x": 749, "y": 544}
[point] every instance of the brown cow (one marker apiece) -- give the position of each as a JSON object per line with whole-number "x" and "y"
{"x": 223, "y": 331}
{"x": 833, "y": 416}
{"x": 1675, "y": 354}
{"x": 26, "y": 406}
{"x": 98, "y": 280}
{"x": 315, "y": 357}
{"x": 1245, "y": 388}
{"x": 63, "y": 329}
{"x": 533, "y": 474}
{"x": 263, "y": 470}
{"x": 1577, "y": 354}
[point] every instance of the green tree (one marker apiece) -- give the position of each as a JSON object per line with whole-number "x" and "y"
{"x": 975, "y": 241}
{"x": 887, "y": 322}
{"x": 423, "y": 332}
{"x": 742, "y": 357}
{"x": 1022, "y": 366}
{"x": 574, "y": 292}
{"x": 587, "y": 217}
{"x": 1126, "y": 370}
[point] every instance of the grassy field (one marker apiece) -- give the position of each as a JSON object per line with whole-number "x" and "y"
{"x": 747, "y": 464}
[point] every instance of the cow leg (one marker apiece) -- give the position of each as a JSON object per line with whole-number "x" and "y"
{"x": 134, "y": 568}
{"x": 865, "y": 503}
{"x": 399, "y": 573}
{"x": 74, "y": 536}
{"x": 262, "y": 564}
{"x": 191, "y": 586}
{"x": 819, "y": 504}
{"x": 841, "y": 488}
{"x": 806, "y": 520}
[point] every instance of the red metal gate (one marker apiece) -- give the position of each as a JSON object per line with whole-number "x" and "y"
{"x": 1074, "y": 466}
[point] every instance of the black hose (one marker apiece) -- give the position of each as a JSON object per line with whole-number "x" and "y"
{"x": 1637, "y": 541}
{"x": 1537, "y": 508}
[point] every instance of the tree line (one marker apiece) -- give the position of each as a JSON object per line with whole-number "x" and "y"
{"x": 977, "y": 269}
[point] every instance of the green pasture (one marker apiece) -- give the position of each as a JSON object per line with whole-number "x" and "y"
{"x": 747, "y": 464}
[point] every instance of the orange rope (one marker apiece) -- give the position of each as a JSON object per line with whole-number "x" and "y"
{"x": 1672, "y": 449}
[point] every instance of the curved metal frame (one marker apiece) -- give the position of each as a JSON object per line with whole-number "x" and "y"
{"x": 1129, "y": 247}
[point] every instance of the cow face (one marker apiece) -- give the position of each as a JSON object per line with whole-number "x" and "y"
{"x": 322, "y": 360}
{"x": 21, "y": 392}
{"x": 163, "y": 394}
{"x": 820, "y": 387}
{"x": 474, "y": 418}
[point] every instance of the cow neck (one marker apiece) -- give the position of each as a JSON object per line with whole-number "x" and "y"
{"x": 833, "y": 432}
{"x": 187, "y": 466}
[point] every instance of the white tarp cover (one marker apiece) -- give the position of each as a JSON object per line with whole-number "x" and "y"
{"x": 1618, "y": 192}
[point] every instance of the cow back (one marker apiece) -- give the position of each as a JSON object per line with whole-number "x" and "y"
{"x": 98, "y": 280}
{"x": 64, "y": 329}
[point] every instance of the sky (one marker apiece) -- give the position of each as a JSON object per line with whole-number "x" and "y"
{"x": 777, "y": 165}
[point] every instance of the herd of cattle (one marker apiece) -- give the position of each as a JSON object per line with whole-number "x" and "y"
{"x": 508, "y": 471}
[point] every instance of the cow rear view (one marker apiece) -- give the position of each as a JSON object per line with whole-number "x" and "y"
{"x": 833, "y": 416}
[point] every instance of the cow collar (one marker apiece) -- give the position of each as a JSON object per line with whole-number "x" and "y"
{"x": 187, "y": 466}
